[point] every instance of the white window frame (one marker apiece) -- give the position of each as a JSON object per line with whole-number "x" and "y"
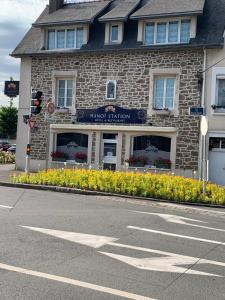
{"x": 65, "y": 37}
{"x": 217, "y": 73}
{"x": 64, "y": 75}
{"x": 110, "y": 33}
{"x": 167, "y": 31}
{"x": 65, "y": 94}
{"x": 164, "y": 73}
{"x": 115, "y": 84}
{"x": 165, "y": 78}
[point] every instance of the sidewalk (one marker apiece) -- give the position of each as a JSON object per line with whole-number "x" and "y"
{"x": 6, "y": 171}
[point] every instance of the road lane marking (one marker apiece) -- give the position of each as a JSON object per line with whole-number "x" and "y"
{"x": 75, "y": 282}
{"x": 170, "y": 218}
{"x": 180, "y": 220}
{"x": 176, "y": 235}
{"x": 6, "y": 207}
{"x": 161, "y": 264}
{"x": 94, "y": 241}
{"x": 89, "y": 240}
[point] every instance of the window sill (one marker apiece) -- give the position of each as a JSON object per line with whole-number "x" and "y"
{"x": 63, "y": 110}
{"x": 161, "y": 111}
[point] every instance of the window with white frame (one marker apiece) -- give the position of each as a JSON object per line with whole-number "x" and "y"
{"x": 220, "y": 91}
{"x": 164, "y": 93}
{"x": 114, "y": 33}
{"x": 65, "y": 92}
{"x": 170, "y": 32}
{"x": 65, "y": 38}
{"x": 111, "y": 89}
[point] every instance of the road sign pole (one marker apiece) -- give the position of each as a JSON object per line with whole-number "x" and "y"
{"x": 204, "y": 130}
{"x": 27, "y": 166}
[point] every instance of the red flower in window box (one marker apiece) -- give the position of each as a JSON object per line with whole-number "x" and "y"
{"x": 79, "y": 156}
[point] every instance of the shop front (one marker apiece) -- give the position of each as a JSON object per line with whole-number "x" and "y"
{"x": 113, "y": 147}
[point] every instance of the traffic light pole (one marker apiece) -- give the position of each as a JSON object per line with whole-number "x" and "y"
{"x": 27, "y": 166}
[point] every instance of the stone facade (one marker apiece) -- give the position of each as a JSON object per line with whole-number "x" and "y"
{"x": 131, "y": 70}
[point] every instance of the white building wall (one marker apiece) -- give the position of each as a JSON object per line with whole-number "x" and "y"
{"x": 24, "y": 109}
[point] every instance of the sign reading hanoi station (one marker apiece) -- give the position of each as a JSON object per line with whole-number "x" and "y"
{"x": 111, "y": 114}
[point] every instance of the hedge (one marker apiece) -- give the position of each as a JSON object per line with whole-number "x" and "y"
{"x": 159, "y": 186}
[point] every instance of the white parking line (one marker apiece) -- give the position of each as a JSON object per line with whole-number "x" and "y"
{"x": 176, "y": 235}
{"x": 6, "y": 207}
{"x": 74, "y": 282}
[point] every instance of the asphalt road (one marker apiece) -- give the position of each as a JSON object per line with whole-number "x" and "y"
{"x": 64, "y": 246}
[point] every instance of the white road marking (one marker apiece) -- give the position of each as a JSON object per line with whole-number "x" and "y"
{"x": 161, "y": 264}
{"x": 170, "y": 218}
{"x": 6, "y": 207}
{"x": 176, "y": 235}
{"x": 74, "y": 282}
{"x": 180, "y": 220}
{"x": 94, "y": 241}
{"x": 91, "y": 242}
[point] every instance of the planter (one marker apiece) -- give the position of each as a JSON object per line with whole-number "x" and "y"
{"x": 137, "y": 165}
{"x": 59, "y": 159}
{"x": 81, "y": 161}
{"x": 162, "y": 166}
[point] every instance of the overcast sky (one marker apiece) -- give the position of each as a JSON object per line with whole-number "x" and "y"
{"x": 16, "y": 17}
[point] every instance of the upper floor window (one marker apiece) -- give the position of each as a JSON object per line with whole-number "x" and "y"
{"x": 64, "y": 92}
{"x": 167, "y": 32}
{"x": 65, "y": 38}
{"x": 114, "y": 33}
{"x": 220, "y": 91}
{"x": 164, "y": 92}
{"x": 111, "y": 89}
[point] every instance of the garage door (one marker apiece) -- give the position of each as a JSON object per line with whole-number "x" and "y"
{"x": 217, "y": 160}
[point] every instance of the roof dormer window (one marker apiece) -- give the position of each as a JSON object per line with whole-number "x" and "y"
{"x": 114, "y": 33}
{"x": 65, "y": 38}
{"x": 170, "y": 32}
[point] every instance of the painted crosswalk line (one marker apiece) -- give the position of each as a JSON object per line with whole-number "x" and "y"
{"x": 75, "y": 282}
{"x": 180, "y": 220}
{"x": 170, "y": 262}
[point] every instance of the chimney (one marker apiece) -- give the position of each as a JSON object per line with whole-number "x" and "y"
{"x": 55, "y": 5}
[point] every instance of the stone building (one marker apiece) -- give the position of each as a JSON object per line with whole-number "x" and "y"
{"x": 122, "y": 75}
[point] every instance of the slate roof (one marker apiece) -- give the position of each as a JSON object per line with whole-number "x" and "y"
{"x": 72, "y": 13}
{"x": 120, "y": 10}
{"x": 210, "y": 31}
{"x": 159, "y": 8}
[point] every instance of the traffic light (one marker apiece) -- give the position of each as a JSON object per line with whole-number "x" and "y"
{"x": 36, "y": 103}
{"x": 28, "y": 149}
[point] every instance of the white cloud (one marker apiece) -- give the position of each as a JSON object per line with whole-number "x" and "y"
{"x": 16, "y": 17}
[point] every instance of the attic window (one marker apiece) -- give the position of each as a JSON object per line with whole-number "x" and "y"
{"x": 172, "y": 32}
{"x": 114, "y": 33}
{"x": 65, "y": 38}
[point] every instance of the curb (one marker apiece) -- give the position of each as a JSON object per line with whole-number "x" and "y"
{"x": 98, "y": 193}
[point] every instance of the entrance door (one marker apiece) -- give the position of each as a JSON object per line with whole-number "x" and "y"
{"x": 109, "y": 151}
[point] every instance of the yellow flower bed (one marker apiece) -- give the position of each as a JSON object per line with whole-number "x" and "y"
{"x": 160, "y": 186}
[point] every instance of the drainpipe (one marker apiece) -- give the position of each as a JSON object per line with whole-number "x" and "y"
{"x": 201, "y": 140}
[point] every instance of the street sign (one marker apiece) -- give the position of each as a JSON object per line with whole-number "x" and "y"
{"x": 31, "y": 122}
{"x": 51, "y": 108}
{"x": 11, "y": 88}
{"x": 196, "y": 111}
{"x": 204, "y": 125}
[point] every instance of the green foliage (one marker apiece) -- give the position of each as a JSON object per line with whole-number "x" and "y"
{"x": 8, "y": 121}
{"x": 160, "y": 186}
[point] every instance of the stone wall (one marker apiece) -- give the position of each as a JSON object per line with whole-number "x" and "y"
{"x": 131, "y": 70}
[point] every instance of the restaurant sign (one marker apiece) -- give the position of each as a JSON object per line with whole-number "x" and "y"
{"x": 11, "y": 88}
{"x": 111, "y": 114}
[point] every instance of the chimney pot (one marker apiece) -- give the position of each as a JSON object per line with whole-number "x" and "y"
{"x": 55, "y": 5}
